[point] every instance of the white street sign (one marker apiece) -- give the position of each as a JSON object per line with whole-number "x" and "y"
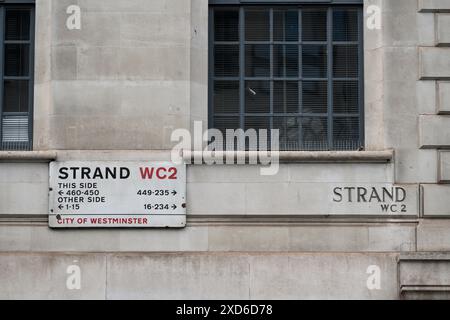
{"x": 105, "y": 194}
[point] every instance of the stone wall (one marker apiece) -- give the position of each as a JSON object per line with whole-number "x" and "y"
{"x": 138, "y": 69}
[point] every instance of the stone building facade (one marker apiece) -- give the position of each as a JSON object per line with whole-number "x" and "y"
{"x": 134, "y": 71}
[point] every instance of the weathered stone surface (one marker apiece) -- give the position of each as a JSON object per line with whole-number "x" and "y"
{"x": 444, "y": 166}
{"x": 427, "y": 97}
{"x": 443, "y": 25}
{"x": 249, "y": 276}
{"x": 137, "y": 70}
{"x": 434, "y": 63}
{"x": 44, "y": 276}
{"x": 23, "y": 188}
{"x": 299, "y": 189}
{"x": 433, "y": 235}
{"x": 198, "y": 276}
{"x": 443, "y": 97}
{"x": 436, "y": 200}
{"x": 434, "y": 131}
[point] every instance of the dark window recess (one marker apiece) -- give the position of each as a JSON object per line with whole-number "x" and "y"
{"x": 17, "y": 24}
{"x": 15, "y": 96}
{"x": 314, "y": 25}
{"x": 295, "y": 69}
{"x": 16, "y": 90}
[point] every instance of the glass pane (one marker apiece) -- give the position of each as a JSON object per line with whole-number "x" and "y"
{"x": 226, "y": 62}
{"x": 314, "y": 25}
{"x": 226, "y": 25}
{"x": 222, "y": 124}
{"x": 285, "y": 97}
{"x": 345, "y": 97}
{"x": 226, "y": 96}
{"x": 314, "y": 133}
{"x": 257, "y": 25}
{"x": 345, "y": 63}
{"x": 17, "y": 25}
{"x": 17, "y": 57}
{"x": 346, "y": 133}
{"x": 345, "y": 25}
{"x": 257, "y": 96}
{"x": 314, "y": 61}
{"x": 285, "y": 25}
{"x": 15, "y": 96}
{"x": 257, "y": 60}
{"x": 315, "y": 97}
{"x": 258, "y": 123}
{"x": 289, "y": 132}
{"x": 285, "y": 61}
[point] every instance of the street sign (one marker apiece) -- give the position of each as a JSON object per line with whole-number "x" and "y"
{"x": 106, "y": 194}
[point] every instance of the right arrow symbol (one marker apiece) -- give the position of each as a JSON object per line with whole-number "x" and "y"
{"x": 174, "y": 207}
{"x": 174, "y": 192}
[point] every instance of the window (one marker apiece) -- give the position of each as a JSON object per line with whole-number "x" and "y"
{"x": 293, "y": 68}
{"x": 16, "y": 70}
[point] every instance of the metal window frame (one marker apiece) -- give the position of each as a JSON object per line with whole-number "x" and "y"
{"x": 23, "y": 5}
{"x": 329, "y": 6}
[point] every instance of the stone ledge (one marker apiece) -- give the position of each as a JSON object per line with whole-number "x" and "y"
{"x": 29, "y": 156}
{"x": 246, "y": 220}
{"x": 296, "y": 156}
{"x": 434, "y": 6}
{"x": 284, "y": 156}
{"x": 425, "y": 292}
{"x": 424, "y": 275}
{"x": 424, "y": 256}
{"x": 357, "y": 238}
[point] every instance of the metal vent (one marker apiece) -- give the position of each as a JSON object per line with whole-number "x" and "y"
{"x": 15, "y": 133}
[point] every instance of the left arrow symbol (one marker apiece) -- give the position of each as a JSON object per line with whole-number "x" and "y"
{"x": 61, "y": 207}
{"x": 60, "y": 193}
